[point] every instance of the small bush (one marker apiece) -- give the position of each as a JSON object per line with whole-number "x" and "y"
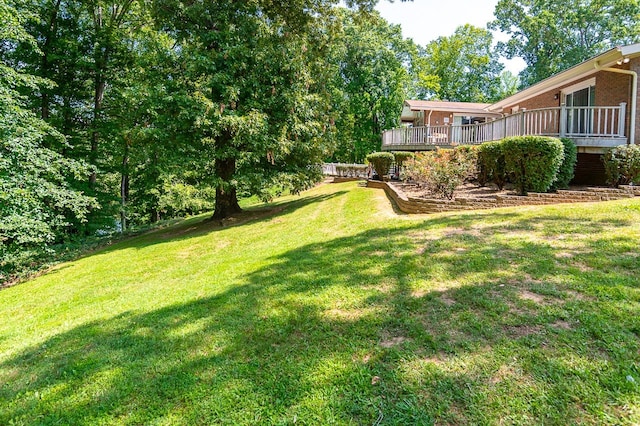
{"x": 467, "y": 157}
{"x": 381, "y": 162}
{"x": 533, "y": 161}
{"x": 622, "y": 165}
{"x": 491, "y": 167}
{"x": 439, "y": 171}
{"x": 568, "y": 166}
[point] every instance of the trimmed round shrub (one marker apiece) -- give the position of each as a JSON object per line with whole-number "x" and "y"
{"x": 381, "y": 162}
{"x": 491, "y": 167}
{"x": 567, "y": 168}
{"x": 401, "y": 156}
{"x": 532, "y": 161}
{"x": 622, "y": 165}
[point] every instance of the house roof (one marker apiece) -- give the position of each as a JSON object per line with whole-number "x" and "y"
{"x": 590, "y": 66}
{"x": 458, "y": 107}
{"x": 446, "y": 106}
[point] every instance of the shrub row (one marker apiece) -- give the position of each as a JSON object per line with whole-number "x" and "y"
{"x": 531, "y": 163}
{"x": 351, "y": 170}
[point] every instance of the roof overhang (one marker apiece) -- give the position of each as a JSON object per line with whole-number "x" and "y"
{"x": 607, "y": 59}
{"x": 452, "y": 108}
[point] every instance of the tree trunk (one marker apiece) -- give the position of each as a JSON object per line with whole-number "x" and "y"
{"x": 124, "y": 187}
{"x": 226, "y": 196}
{"x": 45, "y": 48}
{"x": 95, "y": 136}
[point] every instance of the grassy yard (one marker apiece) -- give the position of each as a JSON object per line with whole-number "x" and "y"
{"x": 335, "y": 310}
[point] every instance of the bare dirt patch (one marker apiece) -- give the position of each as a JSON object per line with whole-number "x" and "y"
{"x": 522, "y": 330}
{"x": 575, "y": 295}
{"x": 564, "y": 325}
{"x": 528, "y": 295}
{"x": 503, "y": 373}
{"x": 393, "y": 341}
{"x": 447, "y": 301}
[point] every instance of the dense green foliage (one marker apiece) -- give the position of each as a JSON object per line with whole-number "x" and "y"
{"x": 532, "y": 162}
{"x": 567, "y": 168}
{"x": 463, "y": 67}
{"x": 491, "y": 164}
{"x": 622, "y": 165}
{"x": 372, "y": 80}
{"x": 334, "y": 310}
{"x": 552, "y": 36}
{"x": 38, "y": 203}
{"x": 381, "y": 162}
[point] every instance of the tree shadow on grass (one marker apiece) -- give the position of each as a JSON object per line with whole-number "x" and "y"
{"x": 442, "y": 321}
{"x": 199, "y": 226}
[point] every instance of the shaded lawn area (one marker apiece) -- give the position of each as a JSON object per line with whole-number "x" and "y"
{"x": 333, "y": 310}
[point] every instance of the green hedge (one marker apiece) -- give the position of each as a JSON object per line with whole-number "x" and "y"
{"x": 532, "y": 161}
{"x": 622, "y": 165}
{"x": 402, "y": 156}
{"x": 491, "y": 167}
{"x": 381, "y": 162}
{"x": 568, "y": 166}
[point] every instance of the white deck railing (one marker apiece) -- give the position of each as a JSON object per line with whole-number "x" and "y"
{"x": 583, "y": 122}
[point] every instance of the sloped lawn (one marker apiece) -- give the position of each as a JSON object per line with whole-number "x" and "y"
{"x": 333, "y": 310}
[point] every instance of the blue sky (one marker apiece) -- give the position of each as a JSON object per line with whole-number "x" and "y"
{"x": 426, "y": 20}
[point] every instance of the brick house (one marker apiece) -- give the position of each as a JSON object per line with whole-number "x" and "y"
{"x": 593, "y": 103}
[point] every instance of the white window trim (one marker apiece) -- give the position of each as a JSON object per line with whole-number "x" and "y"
{"x": 579, "y": 86}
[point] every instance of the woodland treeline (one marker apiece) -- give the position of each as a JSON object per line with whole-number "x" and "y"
{"x": 120, "y": 113}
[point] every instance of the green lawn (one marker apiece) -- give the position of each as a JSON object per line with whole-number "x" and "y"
{"x": 334, "y": 310}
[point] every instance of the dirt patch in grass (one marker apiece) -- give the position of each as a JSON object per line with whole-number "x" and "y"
{"x": 344, "y": 314}
{"x": 528, "y": 295}
{"x": 575, "y": 295}
{"x": 447, "y": 301}
{"x": 393, "y": 341}
{"x": 522, "y": 330}
{"x": 504, "y": 372}
{"x": 564, "y": 325}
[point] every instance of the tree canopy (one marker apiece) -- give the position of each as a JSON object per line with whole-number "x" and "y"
{"x": 552, "y": 36}
{"x": 463, "y": 67}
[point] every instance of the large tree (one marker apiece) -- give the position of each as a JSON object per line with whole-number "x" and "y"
{"x": 258, "y": 79}
{"x": 463, "y": 67}
{"x": 552, "y": 36}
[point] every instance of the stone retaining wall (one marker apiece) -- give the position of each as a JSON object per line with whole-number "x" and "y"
{"x": 435, "y": 205}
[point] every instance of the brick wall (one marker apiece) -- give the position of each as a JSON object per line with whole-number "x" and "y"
{"x": 634, "y": 65}
{"x": 437, "y": 118}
